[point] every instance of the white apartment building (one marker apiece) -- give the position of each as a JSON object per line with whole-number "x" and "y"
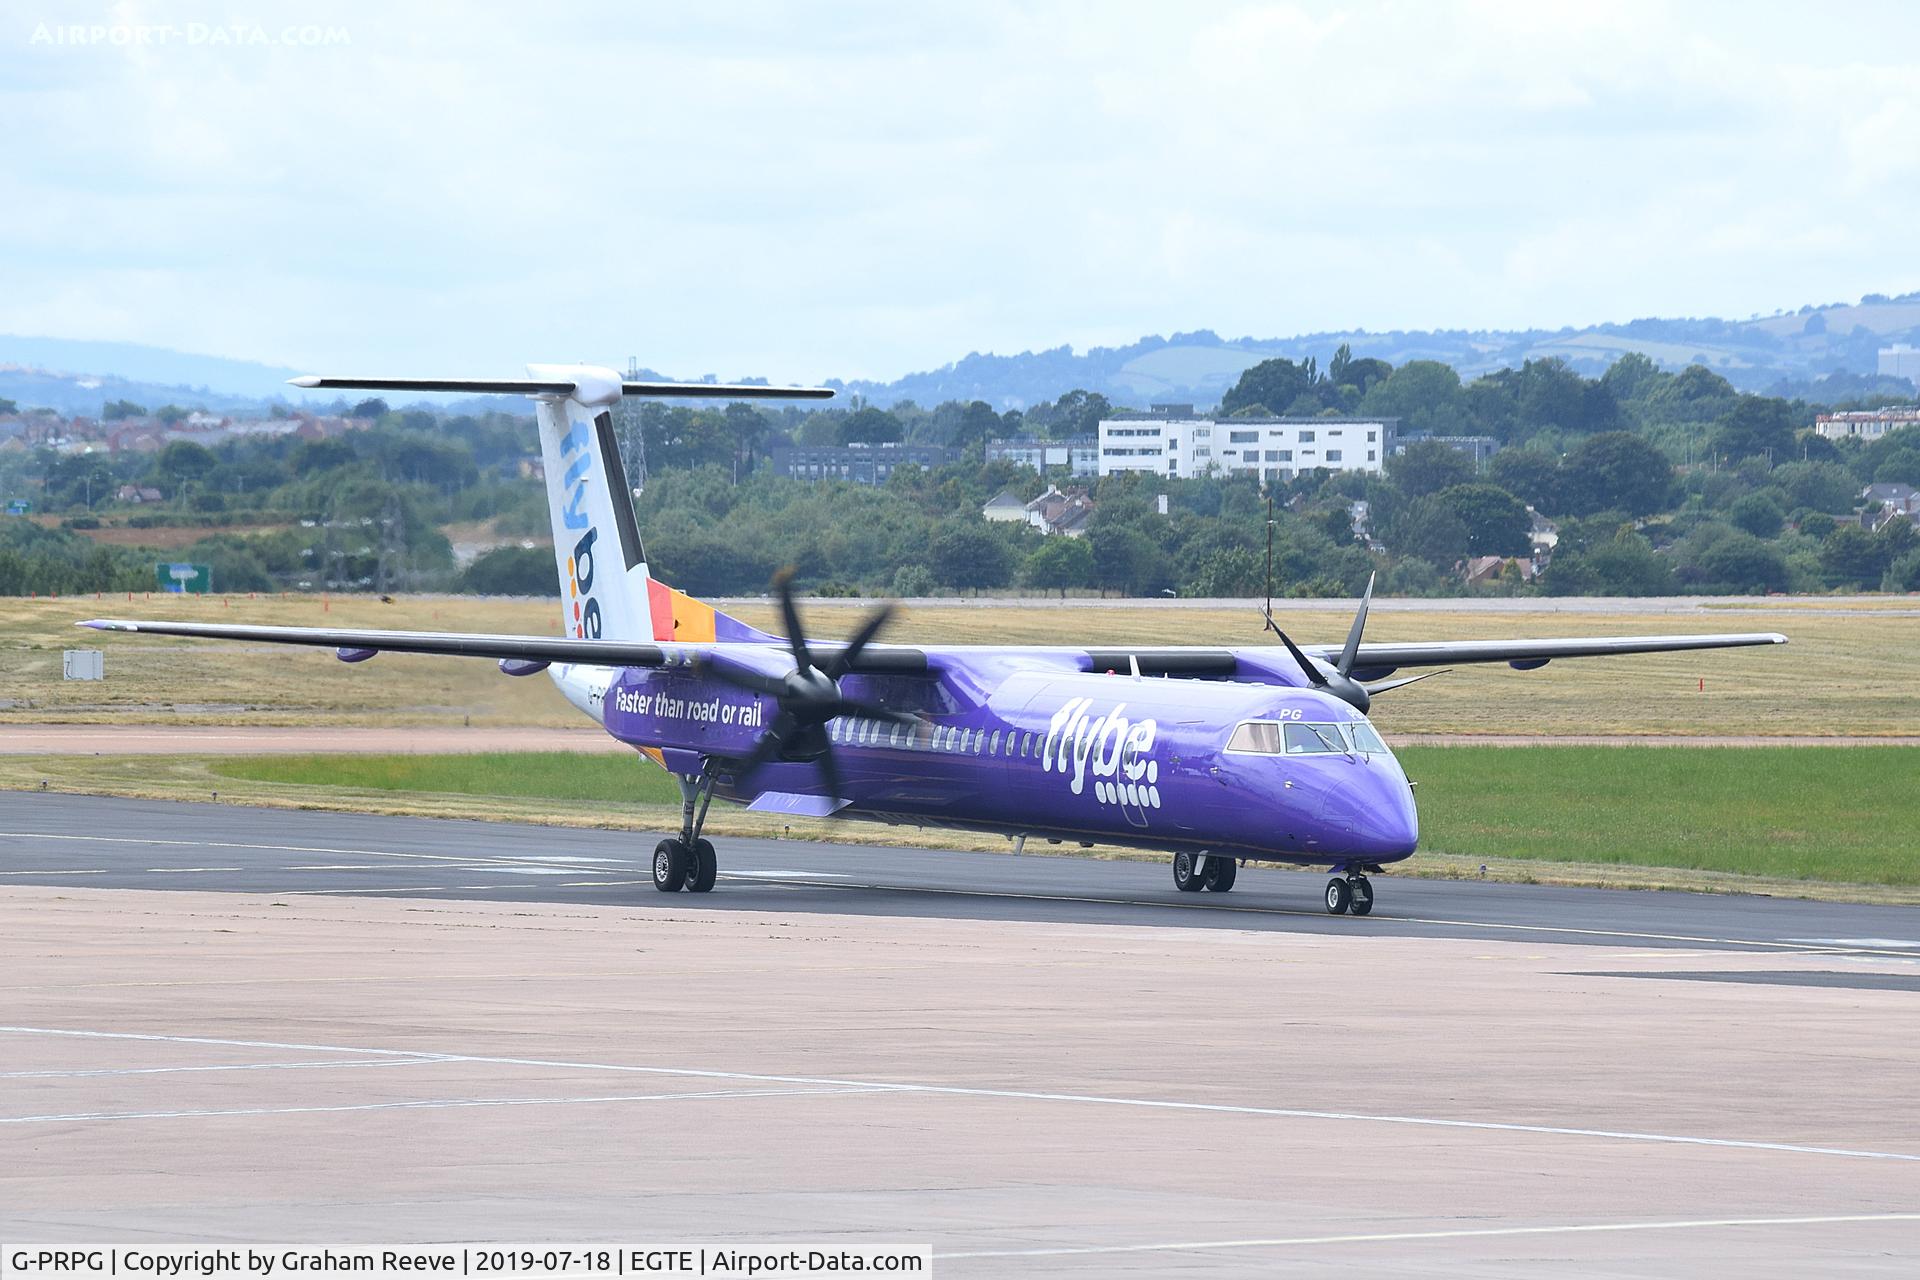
{"x": 1273, "y": 448}
{"x": 1864, "y": 424}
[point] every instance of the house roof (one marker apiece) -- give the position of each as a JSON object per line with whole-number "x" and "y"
{"x": 1007, "y": 499}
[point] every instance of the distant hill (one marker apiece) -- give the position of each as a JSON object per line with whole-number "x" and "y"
{"x": 1786, "y": 353}
{"x": 1759, "y": 354}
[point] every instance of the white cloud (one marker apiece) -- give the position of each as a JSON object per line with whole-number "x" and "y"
{"x": 864, "y": 189}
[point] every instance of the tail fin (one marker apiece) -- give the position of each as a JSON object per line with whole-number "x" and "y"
{"x": 605, "y": 588}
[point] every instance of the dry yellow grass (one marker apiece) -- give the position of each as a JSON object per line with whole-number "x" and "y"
{"x": 1850, "y": 669}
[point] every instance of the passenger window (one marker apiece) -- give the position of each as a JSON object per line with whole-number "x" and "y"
{"x": 993, "y": 748}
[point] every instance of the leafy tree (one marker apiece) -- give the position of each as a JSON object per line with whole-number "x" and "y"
{"x": 8, "y": 406}
{"x": 914, "y": 580}
{"x": 1850, "y": 558}
{"x": 1755, "y": 426}
{"x": 1625, "y": 565}
{"x": 1741, "y": 562}
{"x": 1276, "y": 382}
{"x": 1227, "y": 572}
{"x": 1528, "y": 474}
{"x": 870, "y": 426}
{"x": 511, "y": 571}
{"x": 1616, "y": 469}
{"x": 1903, "y": 574}
{"x": 1496, "y": 522}
{"x": 1427, "y": 528}
{"x": 1427, "y": 466}
{"x": 1425, "y": 395}
{"x": 1902, "y": 466}
{"x": 1823, "y": 486}
{"x": 1124, "y": 558}
{"x": 1760, "y": 514}
{"x": 969, "y": 556}
{"x": 171, "y": 413}
{"x": 1345, "y": 371}
{"x": 1059, "y": 563}
{"x": 371, "y": 407}
{"x": 116, "y": 410}
{"x": 1631, "y": 377}
{"x": 183, "y": 461}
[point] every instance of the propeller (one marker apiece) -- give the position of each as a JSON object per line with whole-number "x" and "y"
{"x": 809, "y": 696}
{"x": 1339, "y": 680}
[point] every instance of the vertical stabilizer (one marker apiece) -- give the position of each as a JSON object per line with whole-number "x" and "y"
{"x": 596, "y": 542}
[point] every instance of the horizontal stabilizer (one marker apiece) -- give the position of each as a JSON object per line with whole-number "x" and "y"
{"x": 542, "y": 387}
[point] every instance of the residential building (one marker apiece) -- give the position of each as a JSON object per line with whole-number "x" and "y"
{"x": 1170, "y": 441}
{"x": 1079, "y": 455}
{"x": 1887, "y": 502}
{"x": 1005, "y": 506}
{"x": 1067, "y": 513}
{"x": 860, "y": 463}
{"x": 1864, "y": 424}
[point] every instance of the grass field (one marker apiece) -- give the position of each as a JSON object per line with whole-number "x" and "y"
{"x": 1791, "y": 813}
{"x": 1851, "y": 669}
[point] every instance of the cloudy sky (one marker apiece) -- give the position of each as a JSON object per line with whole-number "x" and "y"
{"x": 811, "y": 190}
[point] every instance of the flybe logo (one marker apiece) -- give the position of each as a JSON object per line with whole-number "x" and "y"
{"x": 1115, "y": 751}
{"x": 582, "y": 605}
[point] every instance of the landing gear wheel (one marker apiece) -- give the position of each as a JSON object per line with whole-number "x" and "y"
{"x": 1362, "y": 891}
{"x": 705, "y": 867}
{"x": 1185, "y": 878}
{"x": 670, "y": 865}
{"x": 1339, "y": 897}
{"x": 1221, "y": 873}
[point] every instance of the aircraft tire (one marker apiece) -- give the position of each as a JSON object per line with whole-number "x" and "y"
{"x": 705, "y": 867}
{"x": 1362, "y": 895}
{"x": 1184, "y": 877}
{"x": 670, "y": 859}
{"x": 1221, "y": 873}
{"x": 1339, "y": 896}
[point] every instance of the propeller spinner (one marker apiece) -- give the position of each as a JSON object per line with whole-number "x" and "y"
{"x": 1339, "y": 680}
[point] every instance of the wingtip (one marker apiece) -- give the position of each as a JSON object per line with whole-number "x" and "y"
{"x": 308, "y": 380}
{"x": 97, "y": 624}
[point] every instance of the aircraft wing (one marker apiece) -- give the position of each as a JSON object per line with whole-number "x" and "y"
{"x": 469, "y": 644}
{"x": 1437, "y": 653}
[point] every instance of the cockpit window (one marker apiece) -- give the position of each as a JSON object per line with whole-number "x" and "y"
{"x": 1314, "y": 739}
{"x": 1366, "y": 739}
{"x": 1258, "y": 736}
{"x": 1306, "y": 738}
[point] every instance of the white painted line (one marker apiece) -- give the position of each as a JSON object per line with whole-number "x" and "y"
{"x": 175, "y": 871}
{"x": 90, "y": 871}
{"x": 423, "y": 1104}
{"x": 577, "y": 857}
{"x": 230, "y": 1066}
{"x": 784, "y": 875}
{"x": 1015, "y": 1095}
{"x": 1860, "y": 943}
{"x": 1467, "y": 1233}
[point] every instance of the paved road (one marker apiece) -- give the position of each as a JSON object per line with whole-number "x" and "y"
{"x": 92, "y": 842}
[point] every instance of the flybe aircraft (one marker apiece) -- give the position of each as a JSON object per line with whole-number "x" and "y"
{"x": 1211, "y": 755}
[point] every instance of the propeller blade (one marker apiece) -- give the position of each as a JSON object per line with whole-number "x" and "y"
{"x": 1375, "y": 690}
{"x": 768, "y": 747}
{"x": 1352, "y": 650}
{"x": 1306, "y": 664}
{"x": 838, "y": 664}
{"x": 829, "y": 770}
{"x": 742, "y": 677}
{"x": 790, "y": 616}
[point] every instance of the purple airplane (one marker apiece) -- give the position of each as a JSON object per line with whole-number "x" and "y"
{"x": 1212, "y": 755}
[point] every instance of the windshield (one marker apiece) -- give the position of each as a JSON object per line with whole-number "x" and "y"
{"x": 1306, "y": 737}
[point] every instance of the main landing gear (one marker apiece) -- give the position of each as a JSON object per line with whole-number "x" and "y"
{"x": 1194, "y": 872}
{"x": 687, "y": 861}
{"x": 1351, "y": 892}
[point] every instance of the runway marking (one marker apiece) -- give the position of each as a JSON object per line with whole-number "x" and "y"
{"x": 422, "y": 1104}
{"x": 836, "y": 880}
{"x": 1011, "y": 1095}
{"x": 88, "y": 871}
{"x": 1861, "y": 943}
{"x": 1465, "y": 1233}
{"x": 176, "y": 871}
{"x": 228, "y": 1066}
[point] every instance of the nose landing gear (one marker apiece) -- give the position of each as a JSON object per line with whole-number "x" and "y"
{"x": 1352, "y": 892}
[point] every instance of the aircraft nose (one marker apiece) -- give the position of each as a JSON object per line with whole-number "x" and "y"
{"x": 1378, "y": 811}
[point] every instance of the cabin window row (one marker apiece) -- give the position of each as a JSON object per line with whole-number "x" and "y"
{"x": 1010, "y": 744}
{"x": 1305, "y": 738}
